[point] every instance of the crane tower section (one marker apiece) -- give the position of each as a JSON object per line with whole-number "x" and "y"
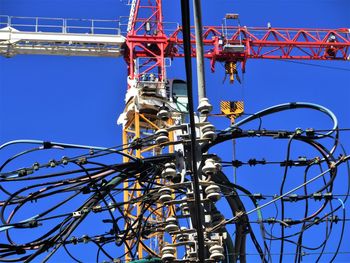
{"x": 147, "y": 116}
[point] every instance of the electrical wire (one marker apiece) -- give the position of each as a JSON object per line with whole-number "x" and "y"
{"x": 89, "y": 190}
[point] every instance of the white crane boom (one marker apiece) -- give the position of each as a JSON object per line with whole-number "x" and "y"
{"x": 68, "y": 37}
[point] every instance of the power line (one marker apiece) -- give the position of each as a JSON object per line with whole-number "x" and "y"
{"x": 279, "y": 197}
{"x": 313, "y": 65}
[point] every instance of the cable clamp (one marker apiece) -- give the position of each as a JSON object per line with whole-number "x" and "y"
{"x": 76, "y": 214}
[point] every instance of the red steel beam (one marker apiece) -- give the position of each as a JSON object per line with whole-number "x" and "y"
{"x": 267, "y": 43}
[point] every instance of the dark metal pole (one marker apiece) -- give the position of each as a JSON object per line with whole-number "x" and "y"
{"x": 185, "y": 7}
{"x": 199, "y": 49}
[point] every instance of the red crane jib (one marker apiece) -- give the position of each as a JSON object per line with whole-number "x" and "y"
{"x": 241, "y": 43}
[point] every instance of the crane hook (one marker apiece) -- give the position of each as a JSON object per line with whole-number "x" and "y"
{"x": 231, "y": 69}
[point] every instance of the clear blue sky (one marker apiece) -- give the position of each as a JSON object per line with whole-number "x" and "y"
{"x": 78, "y": 99}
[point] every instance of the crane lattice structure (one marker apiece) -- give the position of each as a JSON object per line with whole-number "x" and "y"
{"x": 154, "y": 119}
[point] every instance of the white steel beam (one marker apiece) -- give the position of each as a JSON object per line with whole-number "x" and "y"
{"x": 14, "y": 42}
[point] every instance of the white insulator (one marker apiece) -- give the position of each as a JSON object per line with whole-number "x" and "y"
{"x": 165, "y": 195}
{"x": 209, "y": 167}
{"x": 184, "y": 207}
{"x": 168, "y": 253}
{"x": 213, "y": 192}
{"x": 216, "y": 252}
{"x": 169, "y": 172}
{"x": 171, "y": 228}
{"x": 163, "y": 114}
{"x": 170, "y": 219}
{"x": 208, "y": 132}
{"x": 171, "y": 225}
{"x": 183, "y": 237}
{"x": 204, "y": 106}
{"x": 162, "y": 136}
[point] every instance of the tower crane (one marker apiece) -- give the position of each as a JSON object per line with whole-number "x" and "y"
{"x": 148, "y": 47}
{"x": 155, "y": 113}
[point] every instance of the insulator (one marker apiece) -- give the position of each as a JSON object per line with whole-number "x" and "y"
{"x": 184, "y": 207}
{"x": 169, "y": 172}
{"x": 204, "y": 106}
{"x": 162, "y": 136}
{"x": 168, "y": 253}
{"x": 165, "y": 195}
{"x": 163, "y": 114}
{"x": 298, "y": 131}
{"x": 209, "y": 167}
{"x": 52, "y": 163}
{"x": 86, "y": 239}
{"x": 36, "y": 166}
{"x": 208, "y": 132}
{"x": 183, "y": 237}
{"x": 171, "y": 225}
{"x": 64, "y": 160}
{"x": 213, "y": 192}
{"x": 216, "y": 252}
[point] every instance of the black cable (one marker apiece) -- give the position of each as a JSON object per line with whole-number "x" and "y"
{"x": 281, "y": 192}
{"x": 223, "y": 182}
{"x": 100, "y": 248}
{"x": 149, "y": 187}
{"x": 297, "y": 257}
